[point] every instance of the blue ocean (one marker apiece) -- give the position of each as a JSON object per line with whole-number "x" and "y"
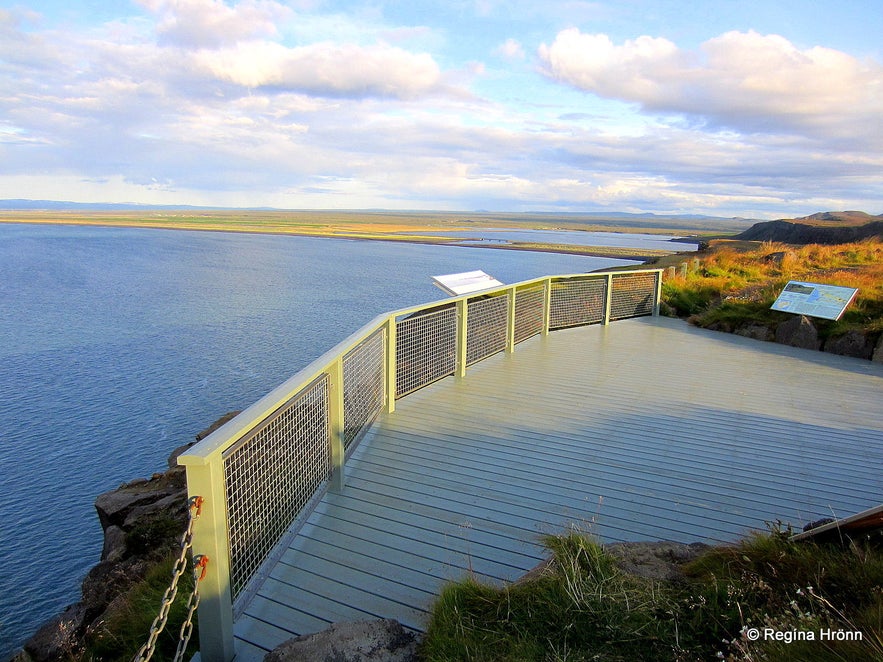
{"x": 118, "y": 345}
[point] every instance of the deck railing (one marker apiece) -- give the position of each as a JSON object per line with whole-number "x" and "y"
{"x": 261, "y": 473}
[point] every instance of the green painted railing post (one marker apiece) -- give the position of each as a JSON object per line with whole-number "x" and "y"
{"x": 510, "y": 321}
{"x": 390, "y": 393}
{"x": 210, "y": 535}
{"x": 547, "y": 306}
{"x": 336, "y": 422}
{"x": 462, "y": 333}
{"x": 658, "y": 293}
{"x": 608, "y": 297}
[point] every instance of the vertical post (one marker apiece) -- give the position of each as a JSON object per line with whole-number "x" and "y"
{"x": 510, "y": 322}
{"x": 547, "y": 306}
{"x": 210, "y": 537}
{"x": 608, "y": 296}
{"x": 391, "y": 364}
{"x": 658, "y": 293}
{"x": 462, "y": 333}
{"x": 336, "y": 422}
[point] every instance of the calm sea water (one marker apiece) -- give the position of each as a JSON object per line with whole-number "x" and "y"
{"x": 480, "y": 236}
{"x": 118, "y": 345}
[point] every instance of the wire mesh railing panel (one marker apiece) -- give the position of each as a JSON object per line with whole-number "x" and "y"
{"x": 633, "y": 295}
{"x": 426, "y": 348}
{"x": 272, "y": 474}
{"x": 576, "y": 302}
{"x": 486, "y": 327}
{"x": 529, "y": 312}
{"x": 363, "y": 385}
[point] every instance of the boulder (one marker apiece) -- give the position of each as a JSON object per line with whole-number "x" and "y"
{"x": 174, "y": 504}
{"x": 655, "y": 560}
{"x": 798, "y": 332}
{"x": 113, "y": 507}
{"x": 851, "y": 343}
{"x": 878, "y": 352}
{"x": 384, "y": 640}
{"x": 114, "y": 544}
{"x": 755, "y": 331}
{"x": 777, "y": 257}
{"x": 139, "y": 496}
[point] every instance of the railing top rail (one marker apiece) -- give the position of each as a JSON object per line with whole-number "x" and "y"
{"x": 222, "y": 438}
{"x": 521, "y": 283}
{"x": 219, "y": 440}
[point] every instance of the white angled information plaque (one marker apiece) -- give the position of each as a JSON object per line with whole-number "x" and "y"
{"x": 465, "y": 283}
{"x": 815, "y": 300}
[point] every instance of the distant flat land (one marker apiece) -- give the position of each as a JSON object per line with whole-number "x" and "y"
{"x": 392, "y": 226}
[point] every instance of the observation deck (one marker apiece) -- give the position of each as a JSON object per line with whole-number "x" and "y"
{"x": 643, "y": 429}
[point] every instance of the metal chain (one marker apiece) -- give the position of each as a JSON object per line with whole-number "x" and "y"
{"x": 199, "y": 564}
{"x": 147, "y": 650}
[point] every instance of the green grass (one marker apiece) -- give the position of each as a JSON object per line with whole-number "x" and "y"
{"x": 583, "y": 607}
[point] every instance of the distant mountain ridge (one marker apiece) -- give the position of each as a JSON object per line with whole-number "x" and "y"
{"x": 63, "y": 205}
{"x": 830, "y": 227}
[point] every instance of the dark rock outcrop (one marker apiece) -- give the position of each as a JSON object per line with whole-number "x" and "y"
{"x": 852, "y": 343}
{"x": 382, "y": 640}
{"x": 798, "y": 332}
{"x": 789, "y": 232}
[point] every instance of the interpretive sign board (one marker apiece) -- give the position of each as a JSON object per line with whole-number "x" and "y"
{"x": 814, "y": 299}
{"x": 465, "y": 283}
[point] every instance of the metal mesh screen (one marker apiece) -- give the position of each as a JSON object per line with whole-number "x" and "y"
{"x": 272, "y": 474}
{"x": 576, "y": 302}
{"x": 363, "y": 382}
{"x": 633, "y": 295}
{"x": 529, "y": 312}
{"x": 426, "y": 346}
{"x": 486, "y": 325}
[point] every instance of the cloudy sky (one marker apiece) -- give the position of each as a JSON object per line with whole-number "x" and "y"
{"x": 732, "y": 108}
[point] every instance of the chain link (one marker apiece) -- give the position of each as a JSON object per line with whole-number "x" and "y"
{"x": 199, "y": 564}
{"x": 146, "y": 651}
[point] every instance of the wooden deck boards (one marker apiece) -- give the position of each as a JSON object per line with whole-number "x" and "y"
{"x": 646, "y": 429}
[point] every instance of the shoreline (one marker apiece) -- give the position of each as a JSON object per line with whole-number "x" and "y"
{"x": 352, "y": 232}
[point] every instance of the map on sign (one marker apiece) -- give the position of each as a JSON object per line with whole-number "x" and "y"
{"x": 815, "y": 300}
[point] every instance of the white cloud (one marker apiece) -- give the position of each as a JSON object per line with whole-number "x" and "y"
{"x": 743, "y": 80}
{"x": 212, "y": 23}
{"x": 511, "y": 49}
{"x": 325, "y": 69}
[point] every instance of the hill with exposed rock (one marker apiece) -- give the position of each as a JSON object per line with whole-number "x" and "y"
{"x": 838, "y": 227}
